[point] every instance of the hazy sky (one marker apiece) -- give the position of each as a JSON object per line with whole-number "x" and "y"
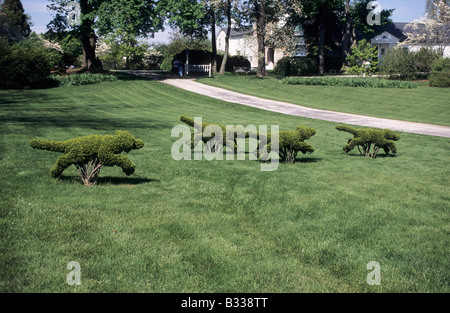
{"x": 405, "y": 11}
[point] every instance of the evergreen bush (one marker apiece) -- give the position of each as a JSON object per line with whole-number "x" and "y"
{"x": 296, "y": 66}
{"x": 440, "y": 73}
{"x": 370, "y": 141}
{"x": 90, "y": 153}
{"x": 291, "y": 142}
{"x": 23, "y": 64}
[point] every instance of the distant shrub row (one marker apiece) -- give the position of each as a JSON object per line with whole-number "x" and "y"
{"x": 82, "y": 79}
{"x": 349, "y": 82}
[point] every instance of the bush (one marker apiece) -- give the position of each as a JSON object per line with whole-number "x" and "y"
{"x": 410, "y": 65}
{"x": 23, "y": 64}
{"x": 296, "y": 66}
{"x": 167, "y": 64}
{"x": 362, "y": 52}
{"x": 291, "y": 142}
{"x": 83, "y": 79}
{"x": 367, "y": 139}
{"x": 349, "y": 82}
{"x": 90, "y": 153}
{"x": 440, "y": 73}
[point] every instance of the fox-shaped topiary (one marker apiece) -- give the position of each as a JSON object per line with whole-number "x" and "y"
{"x": 365, "y": 137}
{"x": 94, "y": 151}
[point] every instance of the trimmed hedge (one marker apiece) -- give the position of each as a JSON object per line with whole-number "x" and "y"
{"x": 368, "y": 82}
{"x": 90, "y": 153}
{"x": 83, "y": 79}
{"x": 291, "y": 142}
{"x": 197, "y": 137}
{"x": 367, "y": 139}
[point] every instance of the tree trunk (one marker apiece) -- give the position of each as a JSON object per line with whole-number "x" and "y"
{"x": 346, "y": 35}
{"x": 213, "y": 41}
{"x": 321, "y": 44}
{"x": 227, "y": 39}
{"x": 260, "y": 33}
{"x": 88, "y": 39}
{"x": 89, "y": 60}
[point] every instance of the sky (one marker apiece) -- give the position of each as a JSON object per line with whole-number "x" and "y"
{"x": 405, "y": 11}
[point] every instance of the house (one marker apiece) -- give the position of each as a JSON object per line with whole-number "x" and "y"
{"x": 243, "y": 42}
{"x": 395, "y": 34}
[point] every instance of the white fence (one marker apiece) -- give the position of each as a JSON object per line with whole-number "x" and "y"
{"x": 193, "y": 68}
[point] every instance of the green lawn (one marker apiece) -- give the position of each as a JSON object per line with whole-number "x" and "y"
{"x": 219, "y": 226}
{"x": 423, "y": 104}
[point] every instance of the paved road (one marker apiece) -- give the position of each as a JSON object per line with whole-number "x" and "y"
{"x": 297, "y": 110}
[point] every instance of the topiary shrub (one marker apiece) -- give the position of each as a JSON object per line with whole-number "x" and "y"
{"x": 370, "y": 141}
{"x": 291, "y": 142}
{"x": 209, "y": 140}
{"x": 90, "y": 153}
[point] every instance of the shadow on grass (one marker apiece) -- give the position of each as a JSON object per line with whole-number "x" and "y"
{"x": 110, "y": 180}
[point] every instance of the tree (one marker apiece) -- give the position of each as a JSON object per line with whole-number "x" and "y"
{"x": 127, "y": 46}
{"x": 433, "y": 30}
{"x": 139, "y": 18}
{"x": 362, "y": 52}
{"x": 321, "y": 17}
{"x": 431, "y": 9}
{"x": 14, "y": 23}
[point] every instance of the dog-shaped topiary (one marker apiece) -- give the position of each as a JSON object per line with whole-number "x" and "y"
{"x": 365, "y": 138}
{"x": 90, "y": 153}
{"x": 291, "y": 142}
{"x": 227, "y": 141}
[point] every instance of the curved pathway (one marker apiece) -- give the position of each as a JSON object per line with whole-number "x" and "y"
{"x": 297, "y": 110}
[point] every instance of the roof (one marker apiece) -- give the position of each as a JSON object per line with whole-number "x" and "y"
{"x": 235, "y": 32}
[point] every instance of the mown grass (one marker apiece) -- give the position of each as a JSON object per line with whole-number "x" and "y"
{"x": 365, "y": 82}
{"x": 219, "y": 226}
{"x": 423, "y": 104}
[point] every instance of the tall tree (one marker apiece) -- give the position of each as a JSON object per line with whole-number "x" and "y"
{"x": 433, "y": 30}
{"x": 431, "y": 8}
{"x": 14, "y": 23}
{"x": 320, "y": 14}
{"x": 134, "y": 16}
{"x": 228, "y": 8}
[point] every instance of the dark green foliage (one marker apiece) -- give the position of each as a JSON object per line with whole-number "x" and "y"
{"x": 238, "y": 132}
{"x": 83, "y": 79}
{"x": 23, "y": 64}
{"x": 90, "y": 153}
{"x": 409, "y": 65}
{"x": 14, "y": 23}
{"x": 296, "y": 66}
{"x": 367, "y": 139}
{"x": 291, "y": 142}
{"x": 440, "y": 74}
{"x": 368, "y": 82}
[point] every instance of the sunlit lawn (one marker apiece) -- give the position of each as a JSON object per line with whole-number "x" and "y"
{"x": 423, "y": 104}
{"x": 219, "y": 226}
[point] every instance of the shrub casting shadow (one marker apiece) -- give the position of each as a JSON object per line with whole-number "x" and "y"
{"x": 113, "y": 180}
